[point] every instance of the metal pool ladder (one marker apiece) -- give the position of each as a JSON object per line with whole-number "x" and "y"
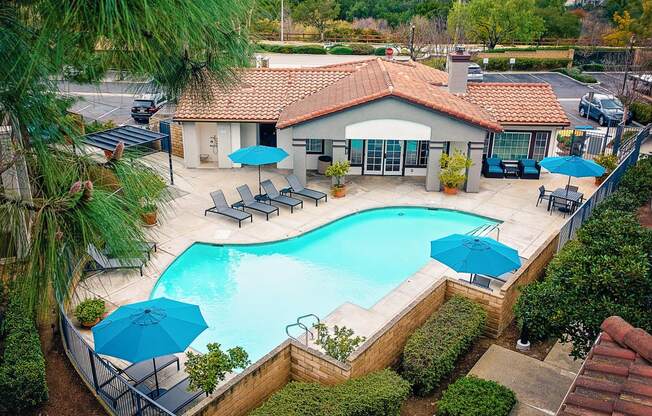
{"x": 300, "y": 324}
{"x": 485, "y": 229}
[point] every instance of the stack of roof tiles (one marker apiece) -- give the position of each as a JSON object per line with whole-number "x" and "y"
{"x": 616, "y": 378}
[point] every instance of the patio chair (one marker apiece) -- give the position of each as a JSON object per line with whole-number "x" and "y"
{"x": 104, "y": 262}
{"x": 222, "y": 207}
{"x": 178, "y": 396}
{"x": 572, "y": 188}
{"x": 480, "y": 281}
{"x": 492, "y": 167}
{"x": 529, "y": 169}
{"x": 274, "y": 195}
{"x": 543, "y": 195}
{"x": 145, "y": 247}
{"x": 248, "y": 201}
{"x": 297, "y": 188}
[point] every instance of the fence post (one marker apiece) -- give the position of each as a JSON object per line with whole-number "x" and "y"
{"x": 617, "y": 138}
{"x": 93, "y": 371}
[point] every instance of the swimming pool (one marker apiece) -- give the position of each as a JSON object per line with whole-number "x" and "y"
{"x": 249, "y": 293}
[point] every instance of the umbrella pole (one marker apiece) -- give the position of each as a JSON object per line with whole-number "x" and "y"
{"x": 569, "y": 178}
{"x": 259, "y": 191}
{"x": 155, "y": 376}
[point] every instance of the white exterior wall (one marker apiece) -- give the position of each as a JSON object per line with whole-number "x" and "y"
{"x": 248, "y": 134}
{"x": 206, "y": 131}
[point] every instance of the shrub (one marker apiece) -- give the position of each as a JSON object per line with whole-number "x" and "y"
{"x": 576, "y": 74}
{"x": 637, "y": 181}
{"x": 431, "y": 351}
{"x": 453, "y": 169}
{"x": 380, "y": 51}
{"x": 339, "y": 345}
{"x": 378, "y": 394}
{"x": 309, "y": 49}
{"x": 437, "y": 63}
{"x": 472, "y": 396}
{"x": 90, "y": 310}
{"x": 205, "y": 371}
{"x": 642, "y": 112}
{"x": 592, "y": 67}
{"x": 522, "y": 64}
{"x": 361, "y": 49}
{"x": 22, "y": 374}
{"x": 341, "y": 50}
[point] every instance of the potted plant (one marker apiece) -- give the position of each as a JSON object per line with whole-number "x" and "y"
{"x": 453, "y": 171}
{"x": 609, "y": 163}
{"x": 149, "y": 212}
{"x": 338, "y": 170}
{"x": 90, "y": 311}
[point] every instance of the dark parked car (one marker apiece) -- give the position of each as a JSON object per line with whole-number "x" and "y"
{"x": 145, "y": 105}
{"x": 603, "y": 108}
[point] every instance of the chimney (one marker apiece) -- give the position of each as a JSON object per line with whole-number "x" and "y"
{"x": 458, "y": 70}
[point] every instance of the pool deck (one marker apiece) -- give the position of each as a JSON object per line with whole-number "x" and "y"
{"x": 512, "y": 201}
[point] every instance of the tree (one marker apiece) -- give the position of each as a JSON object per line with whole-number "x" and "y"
{"x": 491, "y": 22}
{"x": 205, "y": 371}
{"x": 56, "y": 198}
{"x": 557, "y": 21}
{"x": 430, "y": 35}
{"x": 630, "y": 28}
{"x": 316, "y": 13}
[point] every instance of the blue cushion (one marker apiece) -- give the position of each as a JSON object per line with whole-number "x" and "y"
{"x": 495, "y": 169}
{"x": 528, "y": 162}
{"x": 493, "y": 161}
{"x": 530, "y": 170}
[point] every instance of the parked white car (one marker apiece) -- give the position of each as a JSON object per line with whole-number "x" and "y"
{"x": 475, "y": 73}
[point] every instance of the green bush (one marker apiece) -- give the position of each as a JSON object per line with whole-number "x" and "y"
{"x": 522, "y": 64}
{"x": 576, "y": 74}
{"x": 22, "y": 374}
{"x": 310, "y": 49}
{"x": 361, "y": 49}
{"x": 340, "y": 50}
{"x": 637, "y": 181}
{"x": 431, "y": 351}
{"x": 380, "y": 51}
{"x": 472, "y": 396}
{"x": 437, "y": 63}
{"x": 378, "y": 394}
{"x": 90, "y": 310}
{"x": 642, "y": 112}
{"x": 592, "y": 67}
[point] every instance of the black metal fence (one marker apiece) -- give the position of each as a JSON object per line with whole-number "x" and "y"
{"x": 118, "y": 396}
{"x": 627, "y": 150}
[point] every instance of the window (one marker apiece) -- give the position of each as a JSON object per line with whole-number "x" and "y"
{"x": 416, "y": 153}
{"x": 485, "y": 149}
{"x": 540, "y": 143}
{"x": 314, "y": 146}
{"x": 355, "y": 152}
{"x": 512, "y": 145}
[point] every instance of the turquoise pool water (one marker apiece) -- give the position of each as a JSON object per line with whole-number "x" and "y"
{"x": 249, "y": 293}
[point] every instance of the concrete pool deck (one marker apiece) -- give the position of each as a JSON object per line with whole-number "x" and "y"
{"x": 512, "y": 201}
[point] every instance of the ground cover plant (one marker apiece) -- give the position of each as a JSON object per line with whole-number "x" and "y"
{"x": 473, "y": 396}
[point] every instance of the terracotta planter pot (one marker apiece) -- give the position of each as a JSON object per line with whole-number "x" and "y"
{"x": 450, "y": 191}
{"x": 90, "y": 324}
{"x": 149, "y": 218}
{"x": 600, "y": 179}
{"x": 339, "y": 191}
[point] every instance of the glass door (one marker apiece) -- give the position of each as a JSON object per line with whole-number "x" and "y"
{"x": 393, "y": 157}
{"x": 373, "y": 164}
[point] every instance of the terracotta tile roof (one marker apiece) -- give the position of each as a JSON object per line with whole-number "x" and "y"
{"x": 513, "y": 103}
{"x": 259, "y": 94}
{"x": 616, "y": 378}
{"x": 379, "y": 78}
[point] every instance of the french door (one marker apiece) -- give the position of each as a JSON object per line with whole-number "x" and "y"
{"x": 393, "y": 157}
{"x": 373, "y": 164}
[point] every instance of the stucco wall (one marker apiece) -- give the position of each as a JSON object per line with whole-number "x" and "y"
{"x": 443, "y": 127}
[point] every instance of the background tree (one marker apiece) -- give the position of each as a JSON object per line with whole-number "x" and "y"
{"x": 558, "y": 22}
{"x": 55, "y": 199}
{"x": 490, "y": 22}
{"x": 430, "y": 36}
{"x": 316, "y": 13}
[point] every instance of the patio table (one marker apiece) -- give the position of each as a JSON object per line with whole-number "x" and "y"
{"x": 561, "y": 193}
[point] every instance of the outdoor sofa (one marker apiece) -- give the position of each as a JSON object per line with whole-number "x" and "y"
{"x": 529, "y": 169}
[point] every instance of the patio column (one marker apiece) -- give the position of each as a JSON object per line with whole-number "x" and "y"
{"x": 339, "y": 154}
{"x": 435, "y": 150}
{"x": 299, "y": 159}
{"x": 191, "y": 148}
{"x": 473, "y": 173}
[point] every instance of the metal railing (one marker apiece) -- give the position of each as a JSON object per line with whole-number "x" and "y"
{"x": 628, "y": 155}
{"x": 118, "y": 396}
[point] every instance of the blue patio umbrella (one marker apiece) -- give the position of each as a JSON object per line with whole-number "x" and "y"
{"x": 148, "y": 329}
{"x": 257, "y": 156}
{"x": 475, "y": 255}
{"x": 573, "y": 166}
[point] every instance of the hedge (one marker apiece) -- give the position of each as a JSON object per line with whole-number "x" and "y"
{"x": 431, "y": 351}
{"x": 522, "y": 64}
{"x": 637, "y": 181}
{"x": 310, "y": 48}
{"x": 642, "y": 112}
{"x": 592, "y": 67}
{"x": 22, "y": 372}
{"x": 380, "y": 51}
{"x": 472, "y": 396}
{"x": 361, "y": 49}
{"x": 576, "y": 74}
{"x": 341, "y": 50}
{"x": 378, "y": 394}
